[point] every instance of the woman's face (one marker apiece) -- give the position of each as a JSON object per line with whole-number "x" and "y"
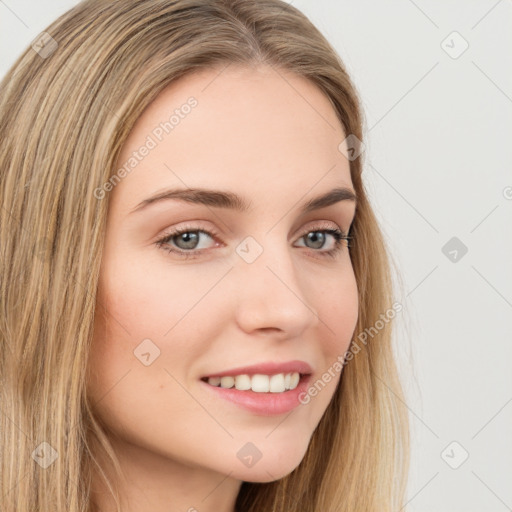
{"x": 257, "y": 286}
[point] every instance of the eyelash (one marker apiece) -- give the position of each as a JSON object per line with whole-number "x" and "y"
{"x": 338, "y": 235}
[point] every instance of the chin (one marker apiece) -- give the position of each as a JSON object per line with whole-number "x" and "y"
{"x": 270, "y": 470}
{"x": 265, "y": 474}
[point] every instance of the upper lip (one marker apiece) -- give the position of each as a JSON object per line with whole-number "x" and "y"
{"x": 267, "y": 368}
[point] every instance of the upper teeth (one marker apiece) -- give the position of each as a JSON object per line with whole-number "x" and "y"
{"x": 259, "y": 383}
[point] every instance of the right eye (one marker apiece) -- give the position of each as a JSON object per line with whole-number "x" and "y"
{"x": 185, "y": 246}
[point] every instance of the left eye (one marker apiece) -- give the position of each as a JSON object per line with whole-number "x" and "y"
{"x": 185, "y": 241}
{"x": 318, "y": 237}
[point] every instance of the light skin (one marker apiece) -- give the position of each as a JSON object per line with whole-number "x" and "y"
{"x": 271, "y": 138}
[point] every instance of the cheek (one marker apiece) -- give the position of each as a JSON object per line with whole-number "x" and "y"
{"x": 121, "y": 387}
{"x": 337, "y": 306}
{"x": 137, "y": 302}
{"x": 145, "y": 299}
{"x": 338, "y": 309}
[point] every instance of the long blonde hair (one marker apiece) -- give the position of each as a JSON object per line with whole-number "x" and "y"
{"x": 66, "y": 107}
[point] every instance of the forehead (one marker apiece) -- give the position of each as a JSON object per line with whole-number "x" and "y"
{"x": 251, "y": 130}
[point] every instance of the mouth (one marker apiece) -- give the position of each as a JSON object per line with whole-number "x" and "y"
{"x": 269, "y": 376}
{"x": 263, "y": 395}
{"x": 259, "y": 383}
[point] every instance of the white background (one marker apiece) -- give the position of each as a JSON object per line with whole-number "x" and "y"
{"x": 437, "y": 165}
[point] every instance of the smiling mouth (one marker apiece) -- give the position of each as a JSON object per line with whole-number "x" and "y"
{"x": 259, "y": 383}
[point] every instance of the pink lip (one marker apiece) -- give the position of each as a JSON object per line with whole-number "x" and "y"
{"x": 269, "y": 368}
{"x": 263, "y": 404}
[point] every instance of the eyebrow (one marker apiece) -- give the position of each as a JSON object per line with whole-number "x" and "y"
{"x": 232, "y": 201}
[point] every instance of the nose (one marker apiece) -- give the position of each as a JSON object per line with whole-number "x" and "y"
{"x": 271, "y": 297}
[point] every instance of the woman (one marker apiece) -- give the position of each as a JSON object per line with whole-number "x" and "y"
{"x": 190, "y": 269}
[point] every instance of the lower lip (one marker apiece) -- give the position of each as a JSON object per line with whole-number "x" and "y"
{"x": 266, "y": 404}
